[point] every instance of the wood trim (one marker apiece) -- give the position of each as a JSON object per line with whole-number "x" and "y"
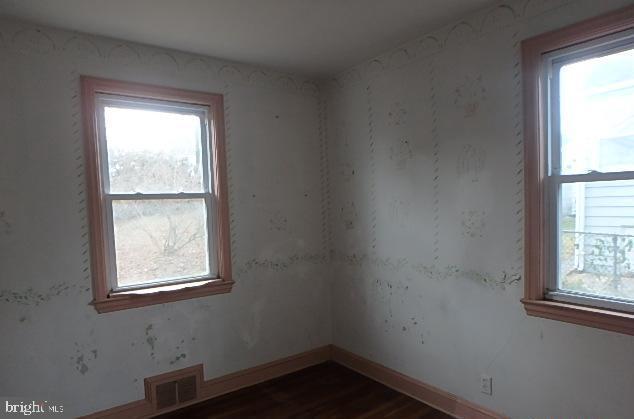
{"x": 102, "y": 301}
{"x": 615, "y": 321}
{"x": 433, "y": 396}
{"x": 536, "y": 242}
{"x": 587, "y": 30}
{"x": 217, "y": 386}
{"x": 123, "y": 302}
{"x": 251, "y": 376}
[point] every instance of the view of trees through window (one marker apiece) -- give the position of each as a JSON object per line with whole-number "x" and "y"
{"x": 156, "y": 152}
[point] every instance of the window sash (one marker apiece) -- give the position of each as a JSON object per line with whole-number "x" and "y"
{"x": 105, "y": 100}
{"x": 591, "y": 300}
{"x": 553, "y": 291}
{"x": 208, "y": 194}
{"x": 212, "y": 256}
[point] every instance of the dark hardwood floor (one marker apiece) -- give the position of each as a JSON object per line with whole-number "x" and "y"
{"x": 323, "y": 391}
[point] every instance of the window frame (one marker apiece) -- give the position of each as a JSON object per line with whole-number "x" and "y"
{"x": 553, "y": 63}
{"x": 93, "y": 90}
{"x": 539, "y": 241}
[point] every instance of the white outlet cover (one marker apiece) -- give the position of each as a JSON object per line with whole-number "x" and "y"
{"x": 486, "y": 384}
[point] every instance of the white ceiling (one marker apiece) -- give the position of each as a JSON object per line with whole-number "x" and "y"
{"x": 313, "y": 37}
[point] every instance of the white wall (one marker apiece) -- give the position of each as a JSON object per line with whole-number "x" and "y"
{"x": 55, "y": 346}
{"x": 426, "y": 206}
{"x": 417, "y": 194}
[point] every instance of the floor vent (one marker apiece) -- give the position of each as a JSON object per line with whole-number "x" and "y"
{"x": 174, "y": 388}
{"x": 166, "y": 395}
{"x": 187, "y": 389}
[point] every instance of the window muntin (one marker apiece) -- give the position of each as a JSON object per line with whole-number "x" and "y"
{"x": 591, "y": 173}
{"x": 158, "y": 192}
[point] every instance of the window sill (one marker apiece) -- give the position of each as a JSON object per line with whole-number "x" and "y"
{"x": 124, "y": 301}
{"x": 599, "y": 318}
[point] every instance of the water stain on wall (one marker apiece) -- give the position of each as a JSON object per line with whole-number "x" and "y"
{"x": 178, "y": 358}
{"x": 250, "y": 329}
{"x": 150, "y": 339}
{"x": 181, "y": 355}
{"x": 83, "y": 358}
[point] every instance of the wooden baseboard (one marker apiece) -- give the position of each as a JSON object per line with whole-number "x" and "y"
{"x": 225, "y": 384}
{"x": 245, "y": 378}
{"x": 435, "y": 397}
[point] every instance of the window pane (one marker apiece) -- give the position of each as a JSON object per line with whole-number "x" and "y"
{"x": 152, "y": 151}
{"x": 597, "y": 114}
{"x": 158, "y": 240}
{"x": 596, "y": 253}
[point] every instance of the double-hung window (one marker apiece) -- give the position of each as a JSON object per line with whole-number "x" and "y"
{"x": 157, "y": 186}
{"x": 591, "y": 173}
{"x": 579, "y": 173}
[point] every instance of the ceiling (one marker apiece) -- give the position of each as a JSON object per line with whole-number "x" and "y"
{"x": 312, "y": 37}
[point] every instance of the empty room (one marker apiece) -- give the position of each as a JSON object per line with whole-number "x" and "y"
{"x": 317, "y": 209}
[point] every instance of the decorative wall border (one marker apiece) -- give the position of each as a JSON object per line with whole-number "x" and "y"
{"x": 78, "y": 149}
{"x": 435, "y": 271}
{"x": 233, "y": 225}
{"x": 518, "y": 121}
{"x": 29, "y": 38}
{"x": 372, "y": 168}
{"x": 473, "y": 27}
{"x": 279, "y": 264}
{"x": 436, "y": 154}
{"x": 324, "y": 172}
{"x": 502, "y": 16}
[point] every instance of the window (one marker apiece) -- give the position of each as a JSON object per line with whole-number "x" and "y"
{"x": 158, "y": 196}
{"x": 579, "y": 173}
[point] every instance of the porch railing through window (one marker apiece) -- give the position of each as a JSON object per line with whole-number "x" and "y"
{"x": 597, "y": 263}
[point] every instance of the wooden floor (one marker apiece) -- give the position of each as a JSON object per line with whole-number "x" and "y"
{"x": 323, "y": 391}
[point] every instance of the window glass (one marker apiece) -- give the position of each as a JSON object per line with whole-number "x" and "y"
{"x": 153, "y": 151}
{"x": 596, "y": 238}
{"x": 160, "y": 240}
{"x": 597, "y": 114}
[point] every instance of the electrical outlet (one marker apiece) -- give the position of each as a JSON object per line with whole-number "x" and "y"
{"x": 486, "y": 384}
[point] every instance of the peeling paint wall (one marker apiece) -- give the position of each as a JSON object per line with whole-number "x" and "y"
{"x": 406, "y": 180}
{"x": 426, "y": 213}
{"x": 54, "y": 345}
